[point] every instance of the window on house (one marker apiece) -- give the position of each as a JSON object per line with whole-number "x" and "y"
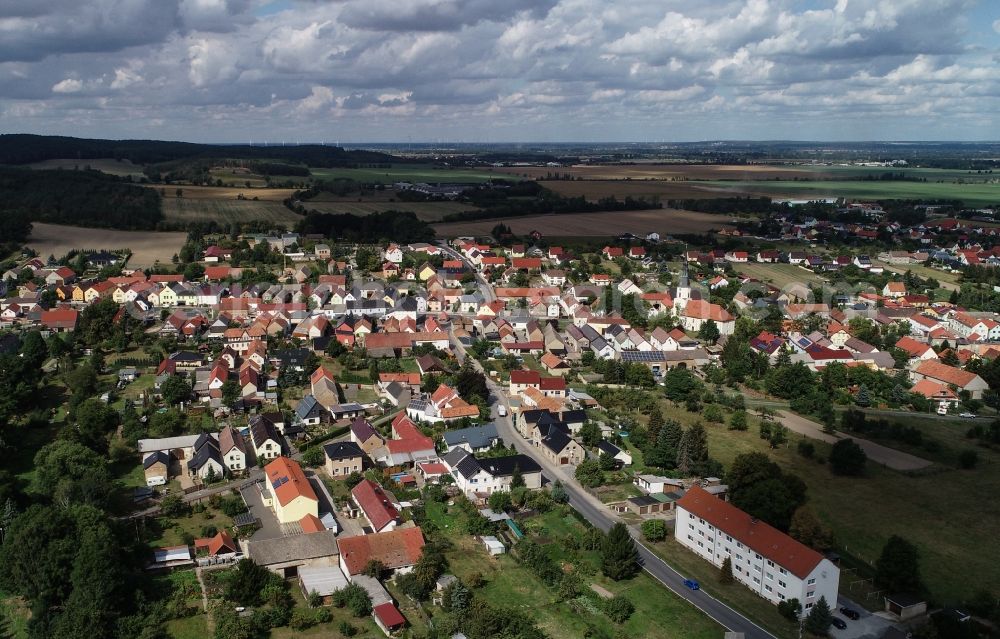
{"x": 782, "y": 584}
{"x": 810, "y": 594}
{"x": 811, "y": 582}
{"x": 768, "y": 588}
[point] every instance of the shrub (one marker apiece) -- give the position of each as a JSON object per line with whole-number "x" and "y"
{"x": 619, "y": 608}
{"x": 968, "y": 459}
{"x": 654, "y": 530}
{"x": 806, "y": 448}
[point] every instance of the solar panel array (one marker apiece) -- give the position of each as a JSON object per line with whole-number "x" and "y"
{"x": 642, "y": 356}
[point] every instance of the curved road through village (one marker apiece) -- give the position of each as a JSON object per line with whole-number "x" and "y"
{"x": 592, "y": 509}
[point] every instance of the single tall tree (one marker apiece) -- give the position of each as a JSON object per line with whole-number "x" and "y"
{"x": 726, "y": 571}
{"x": 619, "y": 558}
{"x": 819, "y": 618}
{"x": 898, "y": 567}
{"x": 692, "y": 450}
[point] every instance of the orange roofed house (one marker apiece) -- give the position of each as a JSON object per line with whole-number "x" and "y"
{"x": 288, "y": 491}
{"x": 398, "y": 550}
{"x": 950, "y": 376}
{"x": 764, "y": 559}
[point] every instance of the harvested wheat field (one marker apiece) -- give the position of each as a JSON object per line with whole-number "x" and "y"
{"x": 223, "y": 193}
{"x": 612, "y": 223}
{"x": 148, "y": 247}
{"x": 665, "y": 172}
{"x": 226, "y": 211}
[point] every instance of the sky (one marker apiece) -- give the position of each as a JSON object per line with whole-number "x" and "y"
{"x": 355, "y": 71}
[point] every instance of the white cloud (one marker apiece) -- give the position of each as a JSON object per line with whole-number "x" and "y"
{"x": 69, "y": 85}
{"x": 205, "y": 69}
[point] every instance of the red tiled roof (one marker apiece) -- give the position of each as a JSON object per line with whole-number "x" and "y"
{"x": 311, "y": 524}
{"x": 524, "y": 377}
{"x": 292, "y": 482}
{"x": 389, "y": 615}
{"x": 222, "y": 542}
{"x": 762, "y": 538}
{"x": 944, "y": 373}
{"x": 373, "y": 500}
{"x": 395, "y": 549}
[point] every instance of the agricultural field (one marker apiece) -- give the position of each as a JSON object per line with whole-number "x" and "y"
{"x": 663, "y": 221}
{"x": 224, "y": 193}
{"x": 779, "y": 275}
{"x": 979, "y": 194}
{"x": 743, "y": 172}
{"x": 407, "y": 173}
{"x": 664, "y": 172}
{"x": 148, "y": 247}
{"x": 384, "y": 201}
{"x": 183, "y": 210}
{"x": 104, "y": 165}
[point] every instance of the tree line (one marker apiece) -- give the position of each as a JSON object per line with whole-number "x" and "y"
{"x": 83, "y": 198}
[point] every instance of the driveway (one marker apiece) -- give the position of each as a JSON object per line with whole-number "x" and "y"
{"x": 269, "y": 526}
{"x": 869, "y": 626}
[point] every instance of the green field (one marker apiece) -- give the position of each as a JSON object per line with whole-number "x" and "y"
{"x": 104, "y": 165}
{"x": 406, "y": 173}
{"x": 780, "y": 275}
{"x": 944, "y": 513}
{"x": 426, "y": 211}
{"x": 225, "y": 211}
{"x": 658, "y": 612}
{"x": 980, "y": 194}
{"x": 932, "y": 175}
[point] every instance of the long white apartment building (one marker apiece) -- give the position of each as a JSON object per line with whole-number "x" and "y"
{"x": 764, "y": 559}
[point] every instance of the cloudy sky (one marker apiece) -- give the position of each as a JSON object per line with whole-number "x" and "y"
{"x": 501, "y": 70}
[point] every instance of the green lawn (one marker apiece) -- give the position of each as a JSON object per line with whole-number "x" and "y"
{"x": 659, "y": 613}
{"x": 945, "y": 513}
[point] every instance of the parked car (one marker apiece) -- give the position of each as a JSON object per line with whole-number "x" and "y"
{"x": 968, "y": 415}
{"x": 854, "y": 615}
{"x": 692, "y": 584}
{"x": 838, "y": 623}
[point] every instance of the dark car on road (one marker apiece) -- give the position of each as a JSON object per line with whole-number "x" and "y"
{"x": 692, "y": 584}
{"x": 853, "y": 615}
{"x": 839, "y": 624}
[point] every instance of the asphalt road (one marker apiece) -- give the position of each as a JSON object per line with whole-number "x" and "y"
{"x": 599, "y": 515}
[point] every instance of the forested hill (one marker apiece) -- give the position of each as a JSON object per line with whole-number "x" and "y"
{"x": 22, "y": 148}
{"x": 82, "y": 198}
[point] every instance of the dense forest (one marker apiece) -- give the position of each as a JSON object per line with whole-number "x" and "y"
{"x": 83, "y": 198}
{"x": 396, "y": 226}
{"x": 24, "y": 149}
